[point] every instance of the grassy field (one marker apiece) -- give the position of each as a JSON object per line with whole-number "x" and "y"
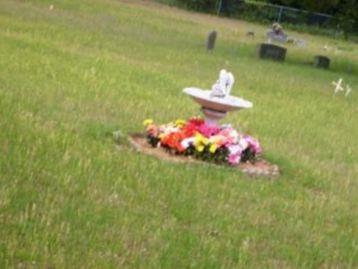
{"x": 69, "y": 198}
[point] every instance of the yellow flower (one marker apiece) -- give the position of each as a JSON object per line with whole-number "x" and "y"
{"x": 147, "y": 122}
{"x": 213, "y": 148}
{"x": 200, "y": 142}
{"x": 200, "y": 139}
{"x": 180, "y": 122}
{"x": 200, "y": 148}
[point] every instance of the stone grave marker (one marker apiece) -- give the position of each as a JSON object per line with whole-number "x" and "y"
{"x": 321, "y": 61}
{"x": 210, "y": 41}
{"x": 250, "y": 34}
{"x": 271, "y": 51}
{"x": 276, "y": 33}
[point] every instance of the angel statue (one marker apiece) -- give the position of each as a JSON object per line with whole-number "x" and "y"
{"x": 223, "y": 85}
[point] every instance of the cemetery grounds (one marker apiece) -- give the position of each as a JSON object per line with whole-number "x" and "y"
{"x": 74, "y": 72}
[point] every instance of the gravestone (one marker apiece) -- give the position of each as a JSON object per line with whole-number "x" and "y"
{"x": 271, "y": 51}
{"x": 321, "y": 61}
{"x": 210, "y": 42}
{"x": 281, "y": 38}
{"x": 250, "y": 34}
{"x": 276, "y": 33}
{"x": 290, "y": 40}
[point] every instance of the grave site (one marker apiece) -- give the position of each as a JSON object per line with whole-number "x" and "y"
{"x": 136, "y": 134}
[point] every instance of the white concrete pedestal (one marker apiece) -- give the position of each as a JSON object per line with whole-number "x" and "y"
{"x": 213, "y": 116}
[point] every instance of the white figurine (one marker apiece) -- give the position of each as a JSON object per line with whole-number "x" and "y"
{"x": 223, "y": 85}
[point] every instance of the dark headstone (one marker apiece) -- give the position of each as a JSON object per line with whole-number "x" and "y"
{"x": 321, "y": 61}
{"x": 250, "y": 34}
{"x": 210, "y": 42}
{"x": 271, "y": 51}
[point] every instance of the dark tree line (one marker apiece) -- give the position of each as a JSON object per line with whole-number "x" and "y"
{"x": 345, "y": 12}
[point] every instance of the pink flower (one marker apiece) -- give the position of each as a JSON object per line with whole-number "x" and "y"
{"x": 243, "y": 143}
{"x": 235, "y": 154}
{"x": 235, "y": 149}
{"x": 234, "y": 159}
{"x": 254, "y": 144}
{"x": 152, "y": 130}
{"x": 230, "y": 134}
{"x": 219, "y": 140}
{"x": 208, "y": 130}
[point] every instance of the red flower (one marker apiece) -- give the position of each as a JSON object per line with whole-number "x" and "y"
{"x": 173, "y": 141}
{"x": 196, "y": 121}
{"x": 192, "y": 126}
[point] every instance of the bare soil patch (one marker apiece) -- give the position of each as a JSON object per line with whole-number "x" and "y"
{"x": 261, "y": 168}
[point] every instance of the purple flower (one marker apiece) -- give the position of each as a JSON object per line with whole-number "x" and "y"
{"x": 254, "y": 145}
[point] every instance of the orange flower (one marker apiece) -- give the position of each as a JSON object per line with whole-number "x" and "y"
{"x": 173, "y": 141}
{"x": 152, "y": 130}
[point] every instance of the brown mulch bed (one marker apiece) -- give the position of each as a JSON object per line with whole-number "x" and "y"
{"x": 261, "y": 168}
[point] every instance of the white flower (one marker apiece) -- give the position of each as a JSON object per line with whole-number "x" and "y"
{"x": 187, "y": 142}
{"x": 235, "y": 149}
{"x": 243, "y": 144}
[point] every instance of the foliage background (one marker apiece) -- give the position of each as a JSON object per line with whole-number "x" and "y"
{"x": 344, "y": 12}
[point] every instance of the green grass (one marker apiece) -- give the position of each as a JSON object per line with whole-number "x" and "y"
{"x": 70, "y": 199}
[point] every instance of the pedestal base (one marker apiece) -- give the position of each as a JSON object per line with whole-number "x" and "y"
{"x": 213, "y": 116}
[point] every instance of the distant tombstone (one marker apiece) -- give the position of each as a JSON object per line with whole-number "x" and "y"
{"x": 300, "y": 43}
{"x": 271, "y": 51}
{"x": 281, "y": 38}
{"x": 290, "y": 40}
{"x": 210, "y": 42}
{"x": 276, "y": 33}
{"x": 250, "y": 34}
{"x": 296, "y": 42}
{"x": 321, "y": 61}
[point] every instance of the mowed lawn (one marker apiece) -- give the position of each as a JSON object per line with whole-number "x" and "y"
{"x": 73, "y": 74}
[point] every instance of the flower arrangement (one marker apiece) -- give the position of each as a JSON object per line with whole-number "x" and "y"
{"x": 205, "y": 141}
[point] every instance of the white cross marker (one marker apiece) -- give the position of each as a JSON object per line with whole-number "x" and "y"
{"x": 338, "y": 85}
{"x": 348, "y": 90}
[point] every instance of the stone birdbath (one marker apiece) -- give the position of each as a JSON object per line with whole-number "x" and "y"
{"x": 217, "y": 102}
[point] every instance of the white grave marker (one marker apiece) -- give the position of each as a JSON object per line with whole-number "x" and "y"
{"x": 348, "y": 90}
{"x": 338, "y": 86}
